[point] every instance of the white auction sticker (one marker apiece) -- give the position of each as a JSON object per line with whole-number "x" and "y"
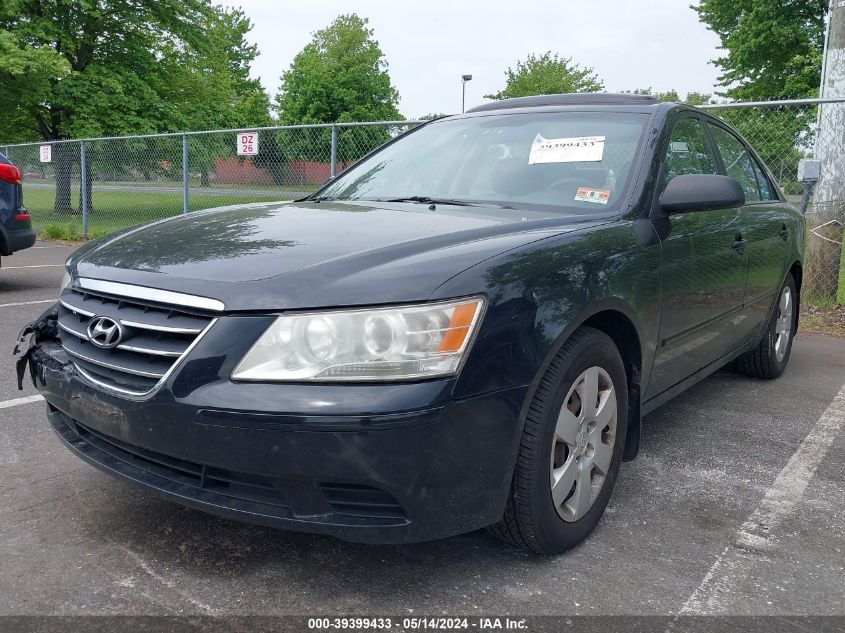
{"x": 247, "y": 143}
{"x": 46, "y": 153}
{"x": 576, "y": 149}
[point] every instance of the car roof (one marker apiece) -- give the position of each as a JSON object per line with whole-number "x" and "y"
{"x": 630, "y": 102}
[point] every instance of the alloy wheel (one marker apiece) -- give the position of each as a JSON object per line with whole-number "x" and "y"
{"x": 783, "y": 325}
{"x": 584, "y": 439}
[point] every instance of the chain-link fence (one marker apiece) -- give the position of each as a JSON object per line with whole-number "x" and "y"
{"x": 783, "y": 133}
{"x": 95, "y": 186}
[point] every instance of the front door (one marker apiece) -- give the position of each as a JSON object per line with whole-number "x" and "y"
{"x": 704, "y": 269}
{"x": 764, "y": 225}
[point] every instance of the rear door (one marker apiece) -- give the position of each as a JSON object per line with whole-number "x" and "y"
{"x": 704, "y": 267}
{"x": 765, "y": 227}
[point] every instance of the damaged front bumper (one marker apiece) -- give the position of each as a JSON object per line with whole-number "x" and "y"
{"x": 386, "y": 463}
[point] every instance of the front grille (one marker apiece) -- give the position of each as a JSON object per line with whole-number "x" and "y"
{"x": 154, "y": 338}
{"x": 240, "y": 486}
{"x": 362, "y": 501}
{"x": 347, "y": 503}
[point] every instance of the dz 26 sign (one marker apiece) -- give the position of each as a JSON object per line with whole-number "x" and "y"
{"x": 247, "y": 143}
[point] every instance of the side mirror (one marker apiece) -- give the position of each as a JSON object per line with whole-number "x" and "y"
{"x": 701, "y": 192}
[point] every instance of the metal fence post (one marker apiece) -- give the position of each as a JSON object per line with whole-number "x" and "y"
{"x": 185, "y": 174}
{"x": 333, "y": 168}
{"x": 83, "y": 187}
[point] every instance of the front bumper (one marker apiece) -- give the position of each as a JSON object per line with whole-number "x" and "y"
{"x": 411, "y": 464}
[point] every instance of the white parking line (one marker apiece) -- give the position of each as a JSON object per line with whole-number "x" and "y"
{"x": 51, "y": 246}
{"x": 26, "y": 303}
{"x": 756, "y": 534}
{"x": 33, "y": 266}
{"x": 5, "y": 404}
{"x": 170, "y": 583}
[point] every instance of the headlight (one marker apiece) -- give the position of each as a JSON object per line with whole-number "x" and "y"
{"x": 399, "y": 343}
{"x": 66, "y": 279}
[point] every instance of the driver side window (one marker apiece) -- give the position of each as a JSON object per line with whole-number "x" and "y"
{"x": 688, "y": 151}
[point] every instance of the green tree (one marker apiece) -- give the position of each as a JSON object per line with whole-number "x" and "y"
{"x": 81, "y": 68}
{"x": 547, "y": 74}
{"x": 773, "y": 50}
{"x": 340, "y": 76}
{"x": 698, "y": 98}
{"x": 773, "y": 47}
{"x": 672, "y": 96}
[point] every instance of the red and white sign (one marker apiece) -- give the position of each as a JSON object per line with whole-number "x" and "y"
{"x": 247, "y": 143}
{"x": 46, "y": 153}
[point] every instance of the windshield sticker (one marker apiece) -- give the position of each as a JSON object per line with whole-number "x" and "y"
{"x": 679, "y": 146}
{"x": 599, "y": 196}
{"x": 576, "y": 149}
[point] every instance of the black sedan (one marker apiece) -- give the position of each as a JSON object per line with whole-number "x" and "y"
{"x": 462, "y": 330}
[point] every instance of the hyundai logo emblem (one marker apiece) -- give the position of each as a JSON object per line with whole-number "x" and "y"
{"x": 104, "y": 332}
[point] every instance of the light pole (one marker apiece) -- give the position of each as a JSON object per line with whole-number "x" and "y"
{"x": 464, "y": 80}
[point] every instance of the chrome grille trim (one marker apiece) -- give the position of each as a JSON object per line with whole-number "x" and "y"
{"x": 64, "y": 304}
{"x": 134, "y": 324}
{"x": 123, "y": 346}
{"x": 155, "y": 327}
{"x": 160, "y": 328}
{"x": 144, "y": 293}
{"x": 81, "y": 335}
{"x": 125, "y": 393}
{"x": 145, "y": 395}
{"x": 126, "y": 370}
{"x": 151, "y": 350}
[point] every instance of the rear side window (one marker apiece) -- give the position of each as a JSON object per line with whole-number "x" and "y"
{"x": 4, "y": 160}
{"x": 767, "y": 192}
{"x": 738, "y": 163}
{"x": 688, "y": 151}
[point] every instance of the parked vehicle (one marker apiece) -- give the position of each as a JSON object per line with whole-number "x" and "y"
{"x": 462, "y": 330}
{"x": 16, "y": 232}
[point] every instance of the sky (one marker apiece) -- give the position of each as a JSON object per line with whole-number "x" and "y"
{"x": 429, "y": 45}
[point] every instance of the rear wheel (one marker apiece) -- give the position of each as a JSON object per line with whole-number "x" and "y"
{"x": 769, "y": 358}
{"x": 571, "y": 447}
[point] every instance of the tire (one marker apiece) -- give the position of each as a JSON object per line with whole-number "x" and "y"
{"x": 553, "y": 505}
{"x": 770, "y": 357}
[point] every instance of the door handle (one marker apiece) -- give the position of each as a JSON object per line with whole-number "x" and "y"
{"x": 784, "y": 232}
{"x": 738, "y": 244}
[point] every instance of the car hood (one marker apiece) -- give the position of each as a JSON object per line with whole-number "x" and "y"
{"x": 307, "y": 254}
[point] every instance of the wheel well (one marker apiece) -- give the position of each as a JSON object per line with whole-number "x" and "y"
{"x": 797, "y": 274}
{"x": 621, "y": 329}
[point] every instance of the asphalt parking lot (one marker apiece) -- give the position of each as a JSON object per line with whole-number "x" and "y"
{"x": 736, "y": 505}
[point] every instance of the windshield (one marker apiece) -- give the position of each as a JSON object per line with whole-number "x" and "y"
{"x": 573, "y": 161}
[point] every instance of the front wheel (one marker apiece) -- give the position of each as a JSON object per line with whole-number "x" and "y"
{"x": 571, "y": 447}
{"x": 769, "y": 358}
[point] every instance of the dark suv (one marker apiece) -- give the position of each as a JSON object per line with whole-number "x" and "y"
{"x": 462, "y": 330}
{"x": 16, "y": 231}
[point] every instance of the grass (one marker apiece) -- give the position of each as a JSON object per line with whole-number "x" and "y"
{"x": 115, "y": 210}
{"x": 828, "y": 319}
